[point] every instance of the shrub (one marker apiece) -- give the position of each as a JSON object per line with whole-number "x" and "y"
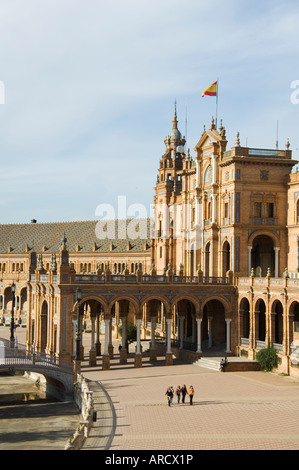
{"x": 267, "y": 358}
{"x": 131, "y": 332}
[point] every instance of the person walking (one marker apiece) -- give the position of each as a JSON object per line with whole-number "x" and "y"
{"x": 183, "y": 392}
{"x": 191, "y": 394}
{"x": 169, "y": 394}
{"x": 178, "y": 393}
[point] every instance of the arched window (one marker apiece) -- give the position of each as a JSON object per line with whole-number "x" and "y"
{"x": 209, "y": 211}
{"x": 208, "y": 175}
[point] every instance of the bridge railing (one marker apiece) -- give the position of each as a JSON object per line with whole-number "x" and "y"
{"x": 21, "y": 356}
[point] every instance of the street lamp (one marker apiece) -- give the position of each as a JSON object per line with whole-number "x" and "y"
{"x": 12, "y": 323}
{"x": 78, "y": 336}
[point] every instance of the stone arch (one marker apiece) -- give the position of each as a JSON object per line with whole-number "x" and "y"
{"x": 187, "y": 312}
{"x": 130, "y": 298}
{"x": 221, "y": 299}
{"x": 160, "y": 298}
{"x": 188, "y": 297}
{"x": 260, "y": 319}
{"x": 207, "y": 257}
{"x": 87, "y": 298}
{"x": 276, "y": 310}
{"x": 265, "y": 233}
{"x": 156, "y": 307}
{"x": 23, "y": 301}
{"x": 263, "y": 246}
{"x": 226, "y": 253}
{"x": 215, "y": 311}
{"x": 7, "y": 303}
{"x": 294, "y": 327}
{"x": 244, "y": 311}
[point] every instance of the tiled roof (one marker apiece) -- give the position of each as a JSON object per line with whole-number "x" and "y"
{"x": 86, "y": 234}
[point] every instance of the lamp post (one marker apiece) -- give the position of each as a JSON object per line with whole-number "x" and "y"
{"x": 12, "y": 323}
{"x": 78, "y": 336}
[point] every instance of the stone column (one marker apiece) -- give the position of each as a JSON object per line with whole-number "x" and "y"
{"x": 197, "y": 173}
{"x": 81, "y": 336}
{"x": 106, "y": 357}
{"x": 193, "y": 320}
{"x": 249, "y": 260}
{"x": 276, "y": 249}
{"x": 168, "y": 359}
{"x": 138, "y": 355}
{"x": 271, "y": 333}
{"x": 74, "y": 337}
{"x": 92, "y": 352}
{"x": 198, "y": 321}
{"x": 110, "y": 345}
{"x": 98, "y": 343}
{"x": 214, "y": 208}
{"x": 123, "y": 351}
{"x": 153, "y": 351}
{"x": 228, "y": 321}
{"x": 181, "y": 332}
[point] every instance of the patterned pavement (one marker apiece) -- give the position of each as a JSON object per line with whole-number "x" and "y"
{"x": 231, "y": 411}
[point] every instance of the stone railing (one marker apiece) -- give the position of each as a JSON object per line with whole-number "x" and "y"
{"x": 268, "y": 281}
{"x": 84, "y": 401}
{"x": 151, "y": 279}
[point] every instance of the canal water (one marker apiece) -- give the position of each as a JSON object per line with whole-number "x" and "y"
{"x": 29, "y": 421}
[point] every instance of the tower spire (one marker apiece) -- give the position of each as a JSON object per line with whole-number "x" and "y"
{"x": 175, "y": 121}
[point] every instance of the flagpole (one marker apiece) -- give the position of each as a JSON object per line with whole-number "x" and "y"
{"x": 217, "y": 90}
{"x": 186, "y": 126}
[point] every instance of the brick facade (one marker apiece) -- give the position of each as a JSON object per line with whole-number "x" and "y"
{"x": 218, "y": 266}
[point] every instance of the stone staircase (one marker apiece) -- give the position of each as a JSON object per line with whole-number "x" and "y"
{"x": 208, "y": 362}
{"x": 235, "y": 364}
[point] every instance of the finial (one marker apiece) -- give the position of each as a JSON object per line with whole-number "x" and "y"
{"x": 288, "y": 144}
{"x": 237, "y": 141}
{"x": 212, "y": 124}
{"x": 175, "y": 121}
{"x": 63, "y": 242}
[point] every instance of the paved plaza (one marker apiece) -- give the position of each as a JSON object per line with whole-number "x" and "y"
{"x": 231, "y": 411}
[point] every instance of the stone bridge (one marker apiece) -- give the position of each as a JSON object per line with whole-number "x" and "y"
{"x": 59, "y": 374}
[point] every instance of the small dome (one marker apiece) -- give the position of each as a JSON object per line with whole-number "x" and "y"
{"x": 175, "y": 135}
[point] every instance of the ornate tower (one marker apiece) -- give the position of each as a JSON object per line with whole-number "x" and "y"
{"x": 167, "y": 193}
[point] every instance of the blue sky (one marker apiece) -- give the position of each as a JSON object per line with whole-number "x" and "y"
{"x": 90, "y": 90}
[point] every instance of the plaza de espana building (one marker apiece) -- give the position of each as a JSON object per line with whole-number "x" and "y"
{"x": 215, "y": 268}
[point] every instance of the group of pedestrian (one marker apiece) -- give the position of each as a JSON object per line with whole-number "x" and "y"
{"x": 181, "y": 392}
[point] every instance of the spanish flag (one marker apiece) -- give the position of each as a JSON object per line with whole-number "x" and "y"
{"x": 211, "y": 90}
